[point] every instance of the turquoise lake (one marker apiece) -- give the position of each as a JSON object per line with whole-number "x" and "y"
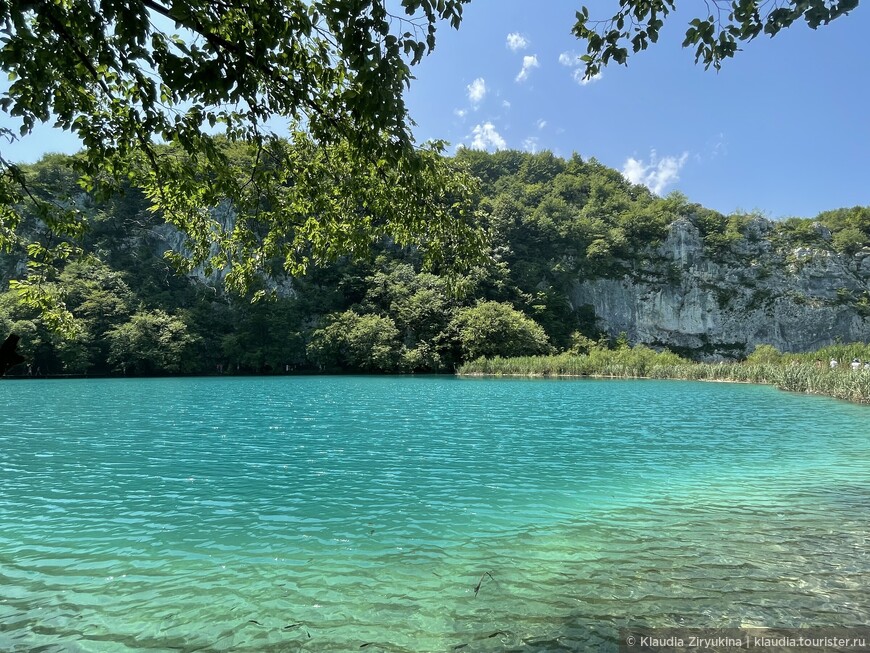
{"x": 363, "y": 513}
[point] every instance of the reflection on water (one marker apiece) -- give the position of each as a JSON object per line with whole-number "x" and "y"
{"x": 421, "y": 514}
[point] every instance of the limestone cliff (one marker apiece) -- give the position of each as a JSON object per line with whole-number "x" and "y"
{"x": 715, "y": 304}
{"x": 165, "y": 237}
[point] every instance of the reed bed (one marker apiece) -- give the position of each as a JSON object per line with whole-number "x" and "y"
{"x": 806, "y": 373}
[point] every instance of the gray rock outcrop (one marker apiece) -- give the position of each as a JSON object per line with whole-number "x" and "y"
{"x": 722, "y": 305}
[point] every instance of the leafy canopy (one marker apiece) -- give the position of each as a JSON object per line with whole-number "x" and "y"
{"x": 548, "y": 222}
{"x": 162, "y": 92}
{"x": 183, "y": 100}
{"x": 714, "y": 37}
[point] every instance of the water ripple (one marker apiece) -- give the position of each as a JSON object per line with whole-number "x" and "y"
{"x": 421, "y": 514}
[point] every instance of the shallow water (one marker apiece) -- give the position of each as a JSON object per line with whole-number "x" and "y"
{"x": 327, "y": 513}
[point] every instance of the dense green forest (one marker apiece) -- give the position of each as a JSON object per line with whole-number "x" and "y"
{"x": 546, "y": 221}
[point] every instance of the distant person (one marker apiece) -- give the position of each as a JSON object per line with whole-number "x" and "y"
{"x": 856, "y": 364}
{"x": 834, "y": 363}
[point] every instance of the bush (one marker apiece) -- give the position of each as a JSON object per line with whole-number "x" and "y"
{"x": 151, "y": 342}
{"x": 492, "y": 328}
{"x": 764, "y": 354}
{"x": 365, "y": 343}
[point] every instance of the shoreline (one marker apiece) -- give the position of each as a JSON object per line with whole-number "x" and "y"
{"x": 609, "y": 377}
{"x": 843, "y": 384}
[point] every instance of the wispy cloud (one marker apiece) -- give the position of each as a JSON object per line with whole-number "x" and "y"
{"x": 569, "y": 59}
{"x": 461, "y": 113}
{"x": 476, "y": 91}
{"x": 485, "y": 137}
{"x": 656, "y": 175}
{"x": 579, "y": 76}
{"x": 713, "y": 149}
{"x": 529, "y": 62}
{"x": 720, "y": 146}
{"x": 578, "y": 68}
{"x": 541, "y": 123}
{"x": 506, "y": 104}
{"x": 530, "y": 144}
{"x": 517, "y": 42}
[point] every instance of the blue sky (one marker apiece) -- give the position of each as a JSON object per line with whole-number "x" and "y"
{"x": 783, "y": 128}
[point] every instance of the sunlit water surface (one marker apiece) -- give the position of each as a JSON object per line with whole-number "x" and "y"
{"x": 422, "y": 514}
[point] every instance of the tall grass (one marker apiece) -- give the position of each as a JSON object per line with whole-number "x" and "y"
{"x": 792, "y": 372}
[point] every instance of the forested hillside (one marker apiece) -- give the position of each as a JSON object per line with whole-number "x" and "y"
{"x": 551, "y": 226}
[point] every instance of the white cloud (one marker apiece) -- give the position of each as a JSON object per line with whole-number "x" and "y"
{"x": 476, "y": 91}
{"x": 486, "y": 136}
{"x": 657, "y": 174}
{"x": 529, "y": 62}
{"x": 580, "y": 72}
{"x": 506, "y": 104}
{"x": 720, "y": 147}
{"x": 541, "y": 123}
{"x": 569, "y": 59}
{"x": 530, "y": 144}
{"x": 516, "y": 41}
{"x": 461, "y": 112}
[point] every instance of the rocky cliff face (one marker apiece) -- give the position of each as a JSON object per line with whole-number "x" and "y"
{"x": 166, "y": 237}
{"x": 684, "y": 297}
